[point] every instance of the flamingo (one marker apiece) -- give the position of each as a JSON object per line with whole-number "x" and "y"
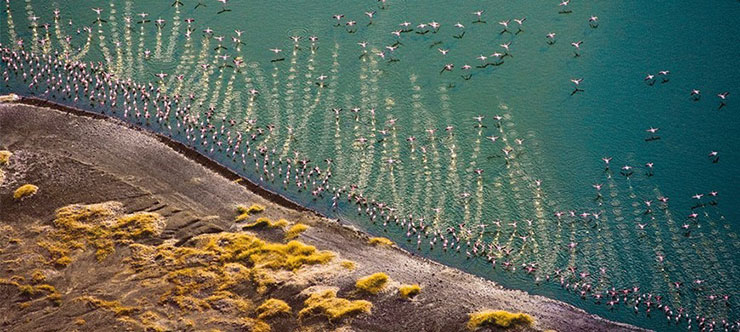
{"x": 478, "y": 13}
{"x": 577, "y": 82}
{"x": 696, "y": 94}
{"x": 551, "y": 38}
{"x": 223, "y": 7}
{"x": 564, "y": 7}
{"x": 722, "y": 96}
{"x": 593, "y": 21}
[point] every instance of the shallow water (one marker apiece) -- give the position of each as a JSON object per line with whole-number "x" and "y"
{"x": 564, "y": 136}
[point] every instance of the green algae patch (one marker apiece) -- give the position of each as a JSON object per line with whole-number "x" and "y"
{"x": 380, "y": 241}
{"x": 373, "y": 283}
{"x": 295, "y": 230}
{"x": 273, "y": 307}
{"x": 25, "y": 191}
{"x": 409, "y": 291}
{"x": 5, "y": 157}
{"x": 334, "y": 308}
{"x": 498, "y": 318}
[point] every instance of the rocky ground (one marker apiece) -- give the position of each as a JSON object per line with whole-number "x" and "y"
{"x": 164, "y": 252}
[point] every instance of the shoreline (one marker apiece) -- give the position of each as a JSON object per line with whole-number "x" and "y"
{"x": 180, "y": 148}
{"x": 278, "y": 199}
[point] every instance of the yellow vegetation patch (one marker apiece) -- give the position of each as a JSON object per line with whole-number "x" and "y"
{"x": 25, "y": 191}
{"x": 2, "y": 176}
{"x": 4, "y": 281}
{"x": 26, "y": 290}
{"x": 55, "y": 298}
{"x": 217, "y": 262}
{"x": 244, "y": 211}
{"x": 380, "y": 241}
{"x": 295, "y": 230}
{"x": 273, "y": 307}
{"x": 38, "y": 277}
{"x": 113, "y": 306}
{"x": 409, "y": 291}
{"x": 5, "y": 157}
{"x": 334, "y": 308}
{"x": 29, "y": 290}
{"x": 265, "y": 222}
{"x": 349, "y": 265}
{"x": 138, "y": 225}
{"x": 241, "y": 324}
{"x": 150, "y": 321}
{"x": 100, "y": 226}
{"x": 225, "y": 299}
{"x": 46, "y": 288}
{"x": 373, "y": 283}
{"x": 498, "y": 318}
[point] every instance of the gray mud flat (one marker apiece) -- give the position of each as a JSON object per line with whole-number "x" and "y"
{"x": 85, "y": 159}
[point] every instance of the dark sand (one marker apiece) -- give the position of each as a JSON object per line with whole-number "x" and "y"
{"x": 90, "y": 159}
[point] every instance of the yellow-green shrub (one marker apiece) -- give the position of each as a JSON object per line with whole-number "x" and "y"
{"x": 380, "y": 241}
{"x": 373, "y": 283}
{"x": 349, "y": 265}
{"x": 272, "y": 307}
{"x": 113, "y": 306}
{"x": 5, "y": 157}
{"x": 295, "y": 230}
{"x": 245, "y": 212}
{"x": 265, "y": 222}
{"x": 409, "y": 291}
{"x": 327, "y": 303}
{"x": 498, "y": 318}
{"x": 25, "y": 191}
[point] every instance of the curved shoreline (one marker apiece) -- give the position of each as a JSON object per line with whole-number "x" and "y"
{"x": 285, "y": 202}
{"x": 180, "y": 148}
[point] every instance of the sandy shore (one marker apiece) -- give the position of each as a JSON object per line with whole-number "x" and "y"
{"x": 81, "y": 158}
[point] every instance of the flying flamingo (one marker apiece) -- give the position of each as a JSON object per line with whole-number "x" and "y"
{"x": 577, "y": 46}
{"x": 696, "y": 94}
{"x": 223, "y": 8}
{"x": 478, "y": 13}
{"x": 593, "y": 21}
{"x": 714, "y": 155}
{"x": 520, "y": 23}
{"x": 577, "y": 82}
{"x": 722, "y": 96}
{"x": 564, "y": 5}
{"x": 551, "y": 38}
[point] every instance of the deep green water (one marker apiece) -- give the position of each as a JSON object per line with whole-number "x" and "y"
{"x": 563, "y": 135}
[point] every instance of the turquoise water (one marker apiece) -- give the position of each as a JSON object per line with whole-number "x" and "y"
{"x": 564, "y": 135}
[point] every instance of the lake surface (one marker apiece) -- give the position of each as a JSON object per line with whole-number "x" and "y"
{"x": 499, "y": 197}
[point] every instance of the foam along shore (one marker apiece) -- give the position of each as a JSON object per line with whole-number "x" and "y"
{"x": 76, "y": 157}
